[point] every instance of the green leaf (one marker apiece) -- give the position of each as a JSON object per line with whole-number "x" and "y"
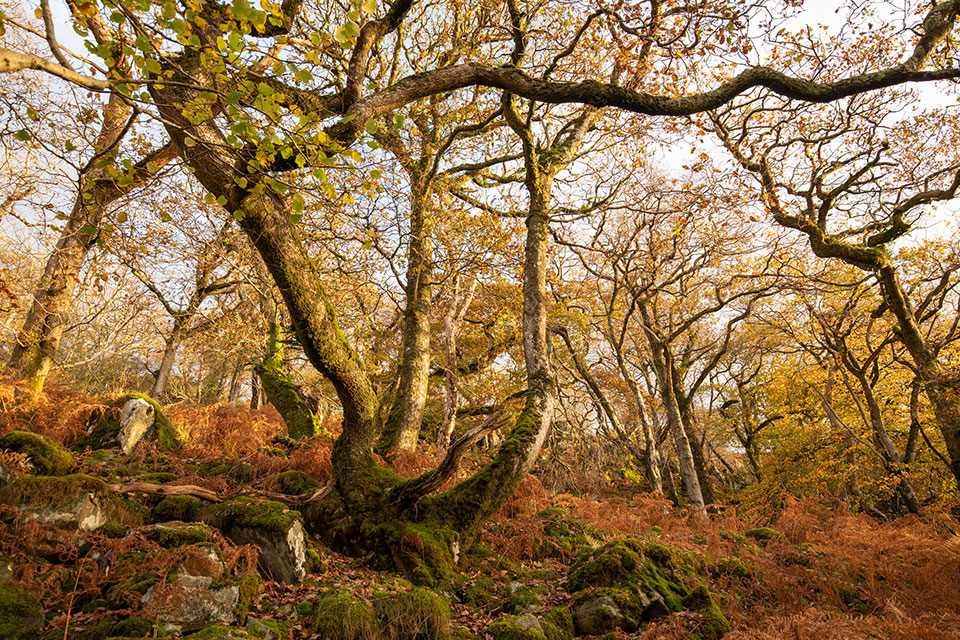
{"x": 370, "y": 6}
{"x": 371, "y": 126}
{"x": 165, "y": 216}
{"x": 22, "y": 135}
{"x": 222, "y": 201}
{"x": 89, "y": 230}
{"x": 241, "y": 182}
{"x": 398, "y": 120}
{"x": 189, "y": 142}
{"x": 121, "y": 217}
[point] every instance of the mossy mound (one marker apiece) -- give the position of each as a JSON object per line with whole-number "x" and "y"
{"x": 181, "y": 508}
{"x": 265, "y": 515}
{"x": 343, "y": 616}
{"x": 417, "y": 614}
{"x": 296, "y": 483}
{"x": 421, "y": 551}
{"x": 564, "y": 536}
{"x": 557, "y": 624}
{"x": 712, "y": 624}
{"x": 172, "y": 535}
{"x": 49, "y": 458}
{"x": 103, "y": 426}
{"x": 762, "y": 534}
{"x": 20, "y": 614}
{"x": 511, "y": 629}
{"x": 641, "y": 580}
{"x": 84, "y": 498}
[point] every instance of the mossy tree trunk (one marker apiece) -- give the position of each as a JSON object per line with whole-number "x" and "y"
{"x": 282, "y": 392}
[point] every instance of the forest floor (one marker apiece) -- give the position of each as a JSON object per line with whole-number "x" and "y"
{"x": 803, "y": 569}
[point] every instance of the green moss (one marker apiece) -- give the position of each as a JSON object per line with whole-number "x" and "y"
{"x": 20, "y": 614}
{"x": 853, "y": 601}
{"x": 628, "y": 600}
{"x": 250, "y": 513}
{"x": 481, "y": 592}
{"x": 564, "y": 535}
{"x": 730, "y": 567}
{"x": 296, "y": 483}
{"x": 167, "y": 434}
{"x": 217, "y": 632}
{"x": 509, "y": 629}
{"x": 521, "y": 598}
{"x": 417, "y": 614}
{"x": 172, "y": 536}
{"x": 462, "y": 633}
{"x": 248, "y": 586}
{"x": 134, "y": 627}
{"x": 714, "y": 624}
{"x": 421, "y": 551}
{"x": 182, "y": 508}
{"x": 557, "y": 624}
{"x": 342, "y": 616}
{"x": 157, "y": 477}
{"x": 762, "y": 534}
{"x": 304, "y": 609}
{"x": 53, "y": 492}
{"x": 48, "y": 457}
{"x": 283, "y": 393}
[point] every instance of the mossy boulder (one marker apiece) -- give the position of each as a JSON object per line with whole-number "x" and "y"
{"x": 170, "y": 535}
{"x": 48, "y": 458}
{"x": 627, "y": 582}
{"x": 127, "y": 421}
{"x": 276, "y": 530}
{"x": 343, "y": 616}
{"x": 557, "y": 624}
{"x": 76, "y": 501}
{"x": 516, "y": 628}
{"x": 241, "y": 472}
{"x": 711, "y": 623}
{"x": 762, "y": 534}
{"x": 20, "y": 614}
{"x": 564, "y": 536}
{"x": 182, "y": 508}
{"x": 417, "y": 614}
{"x": 188, "y": 603}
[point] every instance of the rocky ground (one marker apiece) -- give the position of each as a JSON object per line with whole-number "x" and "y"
{"x": 111, "y": 526}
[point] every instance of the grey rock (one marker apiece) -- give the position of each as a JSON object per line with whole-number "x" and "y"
{"x": 529, "y": 621}
{"x": 283, "y": 557}
{"x": 138, "y": 418}
{"x": 189, "y": 603}
{"x": 596, "y": 616}
{"x": 86, "y": 513}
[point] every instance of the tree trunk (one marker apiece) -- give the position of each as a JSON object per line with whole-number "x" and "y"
{"x": 256, "y": 390}
{"x": 234, "y": 390}
{"x": 36, "y": 344}
{"x": 451, "y": 325}
{"x": 663, "y": 370}
{"x": 281, "y": 391}
{"x": 402, "y": 428}
{"x": 159, "y": 388}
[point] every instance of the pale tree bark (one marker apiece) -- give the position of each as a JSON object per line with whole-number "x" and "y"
{"x": 662, "y": 364}
{"x": 402, "y": 427}
{"x": 451, "y": 326}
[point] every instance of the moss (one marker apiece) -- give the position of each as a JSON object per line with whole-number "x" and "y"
{"x": 510, "y": 629}
{"x": 417, "y": 614}
{"x": 250, "y": 513}
{"x": 112, "y": 530}
{"x": 157, "y": 477}
{"x": 296, "y": 483}
{"x": 248, "y": 586}
{"x": 853, "y": 601}
{"x": 713, "y": 624}
{"x": 172, "y": 536}
{"x": 521, "y": 598}
{"x": 239, "y": 471}
{"x": 139, "y": 584}
{"x": 134, "y": 627}
{"x": 557, "y": 624}
{"x": 283, "y": 393}
{"x": 52, "y": 492}
{"x": 564, "y": 535}
{"x": 49, "y": 458}
{"x": 462, "y": 633}
{"x": 628, "y": 600}
{"x": 342, "y": 616}
{"x": 762, "y": 534}
{"x": 315, "y": 562}
{"x": 421, "y": 551}
{"x": 217, "y": 632}
{"x": 304, "y": 609}
{"x": 166, "y": 433}
{"x": 481, "y": 592}
{"x": 182, "y": 508}
{"x": 20, "y": 614}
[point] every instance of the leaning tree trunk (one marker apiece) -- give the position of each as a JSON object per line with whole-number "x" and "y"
{"x": 402, "y": 427}
{"x": 36, "y": 344}
{"x": 159, "y": 388}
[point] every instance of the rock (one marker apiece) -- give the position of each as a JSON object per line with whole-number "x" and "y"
{"x": 137, "y": 418}
{"x": 77, "y": 502}
{"x": 20, "y": 614}
{"x": 192, "y": 602}
{"x": 529, "y": 621}
{"x": 597, "y": 616}
{"x": 130, "y": 420}
{"x": 276, "y": 530}
{"x": 47, "y": 457}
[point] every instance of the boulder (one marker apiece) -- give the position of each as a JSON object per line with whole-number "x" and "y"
{"x": 128, "y": 421}
{"x": 274, "y": 529}
{"x": 47, "y": 457}
{"x": 75, "y": 502}
{"x": 190, "y": 602}
{"x": 597, "y": 616}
